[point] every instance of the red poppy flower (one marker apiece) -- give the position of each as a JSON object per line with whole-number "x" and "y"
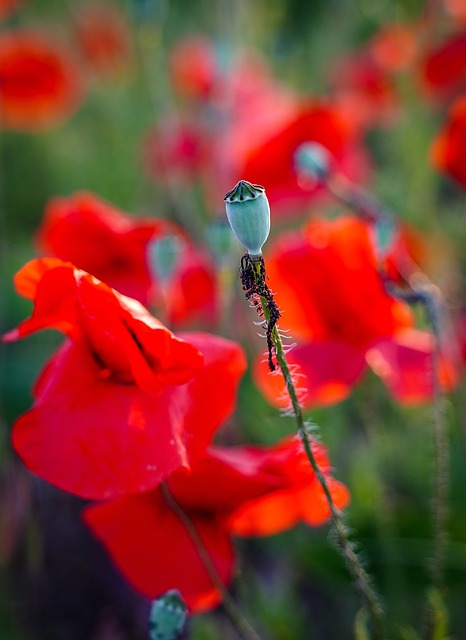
{"x": 193, "y": 67}
{"x": 393, "y": 47}
{"x": 103, "y": 35}
{"x": 244, "y": 490}
{"x": 97, "y": 237}
{"x": 447, "y": 151}
{"x": 177, "y": 149}
{"x": 405, "y": 365}
{"x": 273, "y": 163}
{"x": 124, "y": 402}
{"x": 40, "y": 82}
{"x": 457, "y": 9}
{"x": 443, "y": 71}
{"x": 334, "y": 302}
{"x": 364, "y": 89}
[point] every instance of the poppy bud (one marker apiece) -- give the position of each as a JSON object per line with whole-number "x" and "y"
{"x": 312, "y": 160}
{"x": 248, "y": 213}
{"x": 167, "y": 616}
{"x": 163, "y": 256}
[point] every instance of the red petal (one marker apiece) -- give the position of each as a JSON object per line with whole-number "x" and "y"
{"x": 325, "y": 373}
{"x": 404, "y": 363}
{"x": 97, "y": 437}
{"x": 214, "y": 387}
{"x": 51, "y": 283}
{"x": 153, "y": 549}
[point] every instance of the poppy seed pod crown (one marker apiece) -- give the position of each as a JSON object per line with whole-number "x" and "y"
{"x": 248, "y": 213}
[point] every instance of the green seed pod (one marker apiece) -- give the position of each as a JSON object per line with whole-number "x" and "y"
{"x": 163, "y": 255}
{"x": 248, "y": 213}
{"x": 312, "y": 160}
{"x": 167, "y": 616}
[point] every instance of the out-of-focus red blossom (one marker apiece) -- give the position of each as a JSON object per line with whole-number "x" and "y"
{"x": 405, "y": 363}
{"x": 326, "y": 371}
{"x": 103, "y": 35}
{"x": 457, "y": 9}
{"x": 364, "y": 89}
{"x": 443, "y": 68}
{"x": 447, "y": 151}
{"x": 193, "y": 67}
{"x": 124, "y": 402}
{"x": 239, "y": 490}
{"x": 99, "y": 238}
{"x": 178, "y": 149}
{"x": 228, "y": 116}
{"x": 8, "y": 7}
{"x": 273, "y": 163}
{"x": 394, "y": 47}
{"x": 334, "y": 303}
{"x": 40, "y": 81}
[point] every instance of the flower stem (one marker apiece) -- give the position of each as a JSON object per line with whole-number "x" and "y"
{"x": 356, "y": 569}
{"x": 434, "y": 308}
{"x": 235, "y": 614}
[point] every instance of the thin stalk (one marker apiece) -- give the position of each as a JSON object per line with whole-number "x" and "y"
{"x": 235, "y": 614}
{"x": 440, "y": 508}
{"x": 356, "y": 569}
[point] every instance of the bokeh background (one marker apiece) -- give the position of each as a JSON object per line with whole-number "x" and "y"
{"x": 55, "y": 580}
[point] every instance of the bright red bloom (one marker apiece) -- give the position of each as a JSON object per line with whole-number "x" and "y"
{"x": 40, "y": 82}
{"x": 405, "y": 365}
{"x": 447, "y": 151}
{"x": 124, "y": 402}
{"x": 273, "y": 163}
{"x": 99, "y": 238}
{"x": 103, "y": 35}
{"x": 102, "y": 240}
{"x": 241, "y": 490}
{"x": 443, "y": 70}
{"x": 334, "y": 303}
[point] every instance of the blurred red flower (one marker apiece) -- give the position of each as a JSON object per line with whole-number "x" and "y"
{"x": 40, "y": 82}
{"x": 447, "y": 151}
{"x": 240, "y": 490}
{"x": 103, "y": 35}
{"x": 443, "y": 68}
{"x": 365, "y": 89}
{"x": 124, "y": 402}
{"x": 273, "y": 163}
{"x": 334, "y": 303}
{"x": 193, "y": 67}
{"x": 99, "y": 238}
{"x": 405, "y": 364}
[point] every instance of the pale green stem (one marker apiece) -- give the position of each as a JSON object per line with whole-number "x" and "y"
{"x": 231, "y": 608}
{"x": 356, "y": 569}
